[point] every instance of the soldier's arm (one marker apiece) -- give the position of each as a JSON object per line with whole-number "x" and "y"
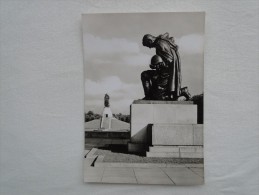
{"x": 164, "y": 51}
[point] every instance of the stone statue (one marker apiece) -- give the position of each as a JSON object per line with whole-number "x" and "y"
{"x": 106, "y": 100}
{"x": 163, "y": 82}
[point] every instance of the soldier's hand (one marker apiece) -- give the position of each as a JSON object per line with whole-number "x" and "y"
{"x": 160, "y": 65}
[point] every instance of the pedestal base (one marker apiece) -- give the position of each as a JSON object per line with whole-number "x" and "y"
{"x": 144, "y": 112}
{"x": 174, "y": 134}
{"x": 169, "y": 126}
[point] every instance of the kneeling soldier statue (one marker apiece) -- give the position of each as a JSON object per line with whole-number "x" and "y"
{"x": 163, "y": 82}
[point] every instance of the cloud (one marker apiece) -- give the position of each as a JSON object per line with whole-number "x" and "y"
{"x": 191, "y": 44}
{"x": 112, "y": 85}
{"x": 136, "y": 59}
{"x": 139, "y": 59}
{"x": 101, "y": 61}
{"x": 97, "y": 46}
{"x": 121, "y": 106}
{"x": 115, "y": 51}
{"x": 105, "y": 85}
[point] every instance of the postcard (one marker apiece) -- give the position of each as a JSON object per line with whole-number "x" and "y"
{"x": 144, "y": 98}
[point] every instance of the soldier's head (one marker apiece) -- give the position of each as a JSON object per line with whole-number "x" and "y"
{"x": 156, "y": 59}
{"x": 156, "y": 62}
{"x": 148, "y": 40}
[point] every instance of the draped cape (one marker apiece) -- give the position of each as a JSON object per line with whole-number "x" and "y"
{"x": 168, "y": 51}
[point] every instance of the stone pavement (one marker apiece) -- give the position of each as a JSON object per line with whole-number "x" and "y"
{"x": 178, "y": 175}
{"x": 154, "y": 175}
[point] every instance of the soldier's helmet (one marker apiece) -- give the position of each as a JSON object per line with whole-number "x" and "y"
{"x": 156, "y": 59}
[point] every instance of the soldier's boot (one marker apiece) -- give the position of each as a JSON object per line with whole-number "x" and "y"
{"x": 185, "y": 93}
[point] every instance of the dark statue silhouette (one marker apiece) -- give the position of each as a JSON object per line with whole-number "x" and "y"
{"x": 106, "y": 100}
{"x": 163, "y": 81}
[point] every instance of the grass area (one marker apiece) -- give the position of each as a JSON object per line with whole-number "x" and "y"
{"x": 110, "y": 156}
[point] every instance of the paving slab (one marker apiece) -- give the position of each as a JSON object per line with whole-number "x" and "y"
{"x": 93, "y": 174}
{"x": 183, "y": 176}
{"x": 152, "y": 176}
{"x": 146, "y": 175}
{"x": 118, "y": 175}
{"x": 199, "y": 171}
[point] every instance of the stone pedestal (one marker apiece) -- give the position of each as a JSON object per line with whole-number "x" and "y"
{"x": 153, "y": 121}
{"x": 175, "y": 134}
{"x": 145, "y": 112}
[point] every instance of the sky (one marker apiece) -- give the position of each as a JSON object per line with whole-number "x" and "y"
{"x": 114, "y": 56}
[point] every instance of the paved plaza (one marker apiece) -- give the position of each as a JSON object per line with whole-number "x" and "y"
{"x": 154, "y": 175}
{"x": 131, "y": 174}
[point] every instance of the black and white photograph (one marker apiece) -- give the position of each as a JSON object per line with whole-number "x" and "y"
{"x": 144, "y": 88}
{"x": 129, "y": 97}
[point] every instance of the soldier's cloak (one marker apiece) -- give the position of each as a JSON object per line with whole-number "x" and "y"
{"x": 168, "y": 51}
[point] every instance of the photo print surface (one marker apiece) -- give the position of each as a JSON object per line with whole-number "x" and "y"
{"x": 144, "y": 98}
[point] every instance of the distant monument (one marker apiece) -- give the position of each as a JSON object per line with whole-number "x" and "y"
{"x": 107, "y": 113}
{"x": 107, "y": 122}
{"x": 163, "y": 81}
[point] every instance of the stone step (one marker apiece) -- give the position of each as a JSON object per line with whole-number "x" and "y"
{"x": 191, "y": 154}
{"x": 176, "y": 149}
{"x": 175, "y": 154}
{"x": 164, "y": 149}
{"x": 177, "y": 134}
{"x": 191, "y": 149}
{"x": 163, "y": 154}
